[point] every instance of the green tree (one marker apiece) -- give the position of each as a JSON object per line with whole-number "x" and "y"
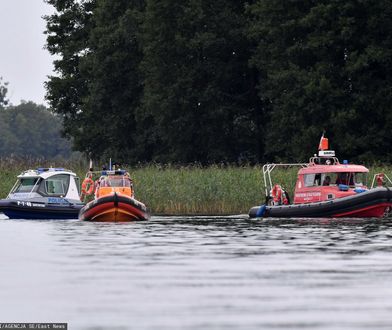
{"x": 98, "y": 88}
{"x": 198, "y": 89}
{"x": 3, "y": 93}
{"x": 165, "y": 81}
{"x": 67, "y": 38}
{"x": 324, "y": 65}
{"x": 114, "y": 87}
{"x": 29, "y": 129}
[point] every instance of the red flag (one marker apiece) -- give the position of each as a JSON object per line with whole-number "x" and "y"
{"x": 323, "y": 145}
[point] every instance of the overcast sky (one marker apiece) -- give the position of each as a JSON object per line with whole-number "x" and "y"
{"x": 24, "y": 63}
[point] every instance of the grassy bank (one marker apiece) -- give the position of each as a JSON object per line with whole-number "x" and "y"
{"x": 185, "y": 190}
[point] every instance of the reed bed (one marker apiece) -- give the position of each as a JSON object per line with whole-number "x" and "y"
{"x": 197, "y": 190}
{"x": 183, "y": 190}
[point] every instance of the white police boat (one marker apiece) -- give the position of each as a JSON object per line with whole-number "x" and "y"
{"x": 43, "y": 193}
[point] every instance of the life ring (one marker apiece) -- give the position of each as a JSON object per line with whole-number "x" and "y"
{"x": 90, "y": 183}
{"x": 380, "y": 179}
{"x": 276, "y": 194}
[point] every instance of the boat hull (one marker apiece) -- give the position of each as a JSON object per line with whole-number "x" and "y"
{"x": 372, "y": 203}
{"x": 33, "y": 210}
{"x": 114, "y": 208}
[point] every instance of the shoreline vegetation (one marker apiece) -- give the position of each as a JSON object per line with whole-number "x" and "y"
{"x": 183, "y": 190}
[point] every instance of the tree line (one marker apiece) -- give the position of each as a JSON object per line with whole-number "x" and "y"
{"x": 224, "y": 80}
{"x": 30, "y": 130}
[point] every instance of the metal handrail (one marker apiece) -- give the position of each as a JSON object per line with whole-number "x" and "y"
{"x": 12, "y": 189}
{"x": 316, "y": 160}
{"x": 386, "y": 176}
{"x": 268, "y": 168}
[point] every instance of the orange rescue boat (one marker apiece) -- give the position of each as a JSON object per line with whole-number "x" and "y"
{"x": 114, "y": 198}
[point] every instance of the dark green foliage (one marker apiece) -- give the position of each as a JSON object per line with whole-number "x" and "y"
{"x": 325, "y": 65}
{"x": 68, "y": 32}
{"x": 224, "y": 80}
{"x": 161, "y": 80}
{"x": 30, "y": 130}
{"x": 114, "y": 82}
{"x": 198, "y": 86}
{"x": 98, "y": 88}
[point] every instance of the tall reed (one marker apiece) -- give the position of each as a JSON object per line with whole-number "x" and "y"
{"x": 169, "y": 189}
{"x": 197, "y": 190}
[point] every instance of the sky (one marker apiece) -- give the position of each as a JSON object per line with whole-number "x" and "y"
{"x": 24, "y": 63}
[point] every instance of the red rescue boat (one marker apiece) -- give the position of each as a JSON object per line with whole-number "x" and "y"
{"x": 326, "y": 188}
{"x": 114, "y": 199}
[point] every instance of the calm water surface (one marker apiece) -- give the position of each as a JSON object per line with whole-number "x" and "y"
{"x": 198, "y": 273}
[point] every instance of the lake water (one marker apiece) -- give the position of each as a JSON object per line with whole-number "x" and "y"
{"x": 198, "y": 273}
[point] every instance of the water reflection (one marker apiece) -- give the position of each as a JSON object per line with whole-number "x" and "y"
{"x": 199, "y": 273}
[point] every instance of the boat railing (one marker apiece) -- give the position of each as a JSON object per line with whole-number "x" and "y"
{"x": 324, "y": 160}
{"x": 104, "y": 173}
{"x": 379, "y": 179}
{"x": 35, "y": 185}
{"x": 268, "y": 168}
{"x": 29, "y": 193}
{"x": 12, "y": 189}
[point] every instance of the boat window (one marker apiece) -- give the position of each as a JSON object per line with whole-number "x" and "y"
{"x": 328, "y": 179}
{"x": 346, "y": 178}
{"x": 26, "y": 185}
{"x": 56, "y": 185}
{"x": 314, "y": 180}
{"x": 119, "y": 182}
{"x": 104, "y": 182}
{"x": 309, "y": 179}
{"x": 317, "y": 180}
{"x": 360, "y": 179}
